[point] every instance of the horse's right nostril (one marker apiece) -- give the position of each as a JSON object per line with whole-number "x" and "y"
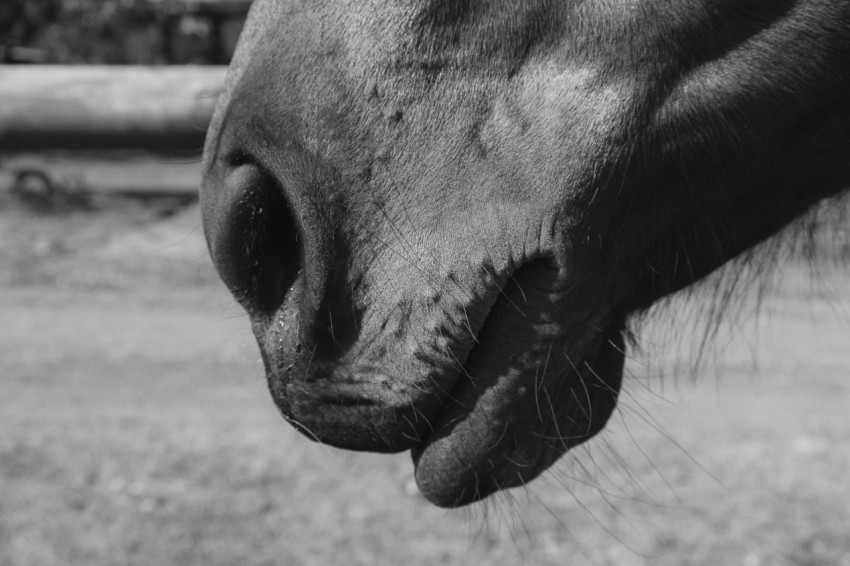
{"x": 254, "y": 237}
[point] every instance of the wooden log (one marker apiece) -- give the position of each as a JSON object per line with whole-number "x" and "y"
{"x": 158, "y": 109}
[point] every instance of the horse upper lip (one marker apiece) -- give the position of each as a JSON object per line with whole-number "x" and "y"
{"x": 363, "y": 412}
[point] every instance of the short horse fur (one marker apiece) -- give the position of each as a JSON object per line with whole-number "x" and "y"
{"x": 441, "y": 215}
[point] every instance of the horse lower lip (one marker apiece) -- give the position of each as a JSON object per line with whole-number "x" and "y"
{"x": 471, "y": 432}
{"x": 490, "y": 434}
{"x": 473, "y": 452}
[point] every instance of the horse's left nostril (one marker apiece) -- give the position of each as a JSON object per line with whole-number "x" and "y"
{"x": 253, "y": 235}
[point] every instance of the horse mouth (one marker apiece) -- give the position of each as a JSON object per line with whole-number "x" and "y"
{"x": 505, "y": 429}
{"x": 530, "y": 387}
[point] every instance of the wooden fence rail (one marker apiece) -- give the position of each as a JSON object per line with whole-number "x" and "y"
{"x": 162, "y": 110}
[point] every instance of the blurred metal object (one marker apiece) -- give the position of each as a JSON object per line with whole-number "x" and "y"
{"x": 130, "y": 173}
{"x": 163, "y": 110}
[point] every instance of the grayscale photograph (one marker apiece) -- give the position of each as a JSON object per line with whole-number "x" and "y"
{"x": 424, "y": 282}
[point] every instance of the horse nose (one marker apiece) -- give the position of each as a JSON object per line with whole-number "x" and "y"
{"x": 252, "y": 232}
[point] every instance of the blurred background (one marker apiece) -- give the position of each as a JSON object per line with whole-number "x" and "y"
{"x": 123, "y": 32}
{"x": 135, "y": 426}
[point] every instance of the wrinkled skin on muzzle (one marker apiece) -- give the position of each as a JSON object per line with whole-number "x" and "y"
{"x": 440, "y": 215}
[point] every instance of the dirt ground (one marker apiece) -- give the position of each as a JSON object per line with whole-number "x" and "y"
{"x": 135, "y": 428}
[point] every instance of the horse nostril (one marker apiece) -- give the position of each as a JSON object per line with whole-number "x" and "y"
{"x": 254, "y": 239}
